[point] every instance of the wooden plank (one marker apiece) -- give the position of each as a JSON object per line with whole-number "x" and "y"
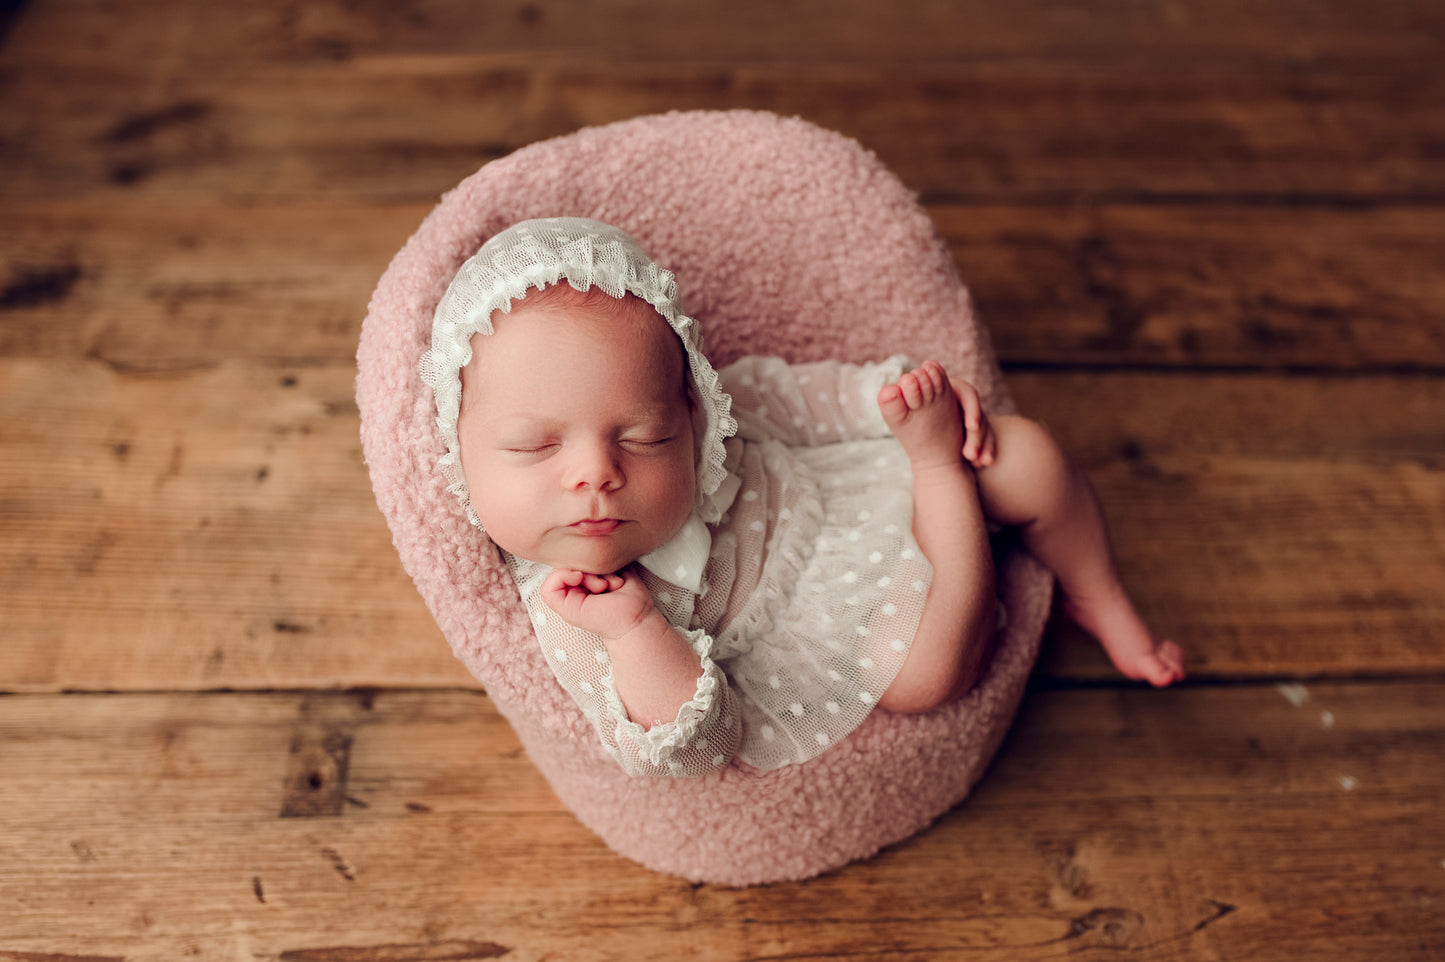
{"x": 216, "y": 528}
{"x": 151, "y": 288}
{"x": 179, "y": 285}
{"x": 1178, "y": 37}
{"x": 976, "y": 131}
{"x": 1193, "y": 824}
{"x": 211, "y": 528}
{"x": 1206, "y": 285}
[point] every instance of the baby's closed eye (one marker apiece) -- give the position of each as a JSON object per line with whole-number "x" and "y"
{"x": 646, "y": 442}
{"x": 528, "y": 448}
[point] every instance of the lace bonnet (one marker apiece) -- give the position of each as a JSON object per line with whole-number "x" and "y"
{"x": 538, "y": 254}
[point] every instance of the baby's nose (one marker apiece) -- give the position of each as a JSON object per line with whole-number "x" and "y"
{"x": 595, "y": 466}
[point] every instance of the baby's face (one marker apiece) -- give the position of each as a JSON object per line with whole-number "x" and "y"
{"x": 576, "y": 433}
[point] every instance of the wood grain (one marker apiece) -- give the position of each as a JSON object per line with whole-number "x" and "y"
{"x": 976, "y": 132}
{"x": 1180, "y": 825}
{"x": 157, "y": 287}
{"x": 1206, "y": 285}
{"x": 1316, "y": 103}
{"x": 1176, "y": 37}
{"x": 214, "y": 525}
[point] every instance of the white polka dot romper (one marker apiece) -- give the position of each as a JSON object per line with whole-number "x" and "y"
{"x": 812, "y": 591}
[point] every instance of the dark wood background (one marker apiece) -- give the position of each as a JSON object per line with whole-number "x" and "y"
{"x": 1207, "y": 238}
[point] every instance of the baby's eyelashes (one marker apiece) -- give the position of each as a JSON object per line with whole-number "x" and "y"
{"x": 641, "y": 445}
{"x": 529, "y": 449}
{"x": 646, "y": 444}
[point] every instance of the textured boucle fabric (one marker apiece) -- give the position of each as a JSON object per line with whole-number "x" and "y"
{"x": 786, "y": 239}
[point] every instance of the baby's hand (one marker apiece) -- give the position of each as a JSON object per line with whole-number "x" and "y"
{"x": 606, "y": 605}
{"x": 979, "y": 444}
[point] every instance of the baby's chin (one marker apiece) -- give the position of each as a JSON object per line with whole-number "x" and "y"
{"x": 598, "y": 560}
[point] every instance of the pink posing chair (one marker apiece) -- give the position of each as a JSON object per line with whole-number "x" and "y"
{"x": 787, "y": 240}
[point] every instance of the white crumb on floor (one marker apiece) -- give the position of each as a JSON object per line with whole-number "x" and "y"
{"x": 1294, "y": 693}
{"x": 1327, "y": 719}
{"x": 1349, "y": 783}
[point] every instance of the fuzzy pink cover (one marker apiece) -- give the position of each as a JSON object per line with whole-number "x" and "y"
{"x": 786, "y": 239}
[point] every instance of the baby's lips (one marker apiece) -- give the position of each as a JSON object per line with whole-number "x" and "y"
{"x": 596, "y": 527}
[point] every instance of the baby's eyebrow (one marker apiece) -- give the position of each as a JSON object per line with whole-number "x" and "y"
{"x": 523, "y": 421}
{"x": 649, "y": 415}
{"x": 652, "y": 412}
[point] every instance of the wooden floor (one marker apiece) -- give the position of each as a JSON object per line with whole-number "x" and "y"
{"x": 1208, "y": 238}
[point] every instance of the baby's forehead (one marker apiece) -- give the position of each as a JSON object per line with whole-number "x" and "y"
{"x": 618, "y": 330}
{"x": 588, "y": 315}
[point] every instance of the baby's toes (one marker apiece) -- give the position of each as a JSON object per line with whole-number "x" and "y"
{"x": 1163, "y": 666}
{"x": 1173, "y": 658}
{"x": 912, "y": 386}
{"x": 937, "y": 376}
{"x": 927, "y": 385}
{"x": 929, "y": 381}
{"x": 892, "y": 404}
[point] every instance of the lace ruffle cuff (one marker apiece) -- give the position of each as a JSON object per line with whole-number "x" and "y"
{"x": 702, "y": 737}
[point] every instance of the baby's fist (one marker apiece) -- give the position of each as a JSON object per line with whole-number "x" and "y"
{"x": 607, "y": 605}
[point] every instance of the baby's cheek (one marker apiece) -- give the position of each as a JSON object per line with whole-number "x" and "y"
{"x": 501, "y": 514}
{"x": 682, "y": 491}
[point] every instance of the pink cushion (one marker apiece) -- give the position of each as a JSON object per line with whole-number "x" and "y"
{"x": 786, "y": 239}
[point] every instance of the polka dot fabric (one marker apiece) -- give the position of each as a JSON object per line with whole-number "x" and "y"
{"x": 788, "y": 240}
{"x": 822, "y": 609}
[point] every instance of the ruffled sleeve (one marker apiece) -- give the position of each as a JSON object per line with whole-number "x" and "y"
{"x": 804, "y": 405}
{"x": 704, "y": 735}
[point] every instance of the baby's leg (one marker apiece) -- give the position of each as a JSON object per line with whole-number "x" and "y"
{"x": 957, "y": 623}
{"x": 1033, "y": 485}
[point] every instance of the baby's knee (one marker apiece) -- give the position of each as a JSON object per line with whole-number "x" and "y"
{"x": 908, "y": 698}
{"x": 916, "y": 693}
{"x": 916, "y": 698}
{"x": 1030, "y": 473}
{"x": 1028, "y": 443}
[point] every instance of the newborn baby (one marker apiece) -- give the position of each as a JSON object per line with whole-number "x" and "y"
{"x": 741, "y": 563}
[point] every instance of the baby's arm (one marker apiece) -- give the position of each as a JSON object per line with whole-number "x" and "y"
{"x": 653, "y": 667}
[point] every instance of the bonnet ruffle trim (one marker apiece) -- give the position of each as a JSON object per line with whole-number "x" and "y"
{"x": 536, "y": 254}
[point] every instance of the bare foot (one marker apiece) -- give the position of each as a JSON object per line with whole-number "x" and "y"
{"x": 923, "y": 413}
{"x": 1127, "y": 640}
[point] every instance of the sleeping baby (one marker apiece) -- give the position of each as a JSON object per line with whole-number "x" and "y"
{"x": 740, "y": 563}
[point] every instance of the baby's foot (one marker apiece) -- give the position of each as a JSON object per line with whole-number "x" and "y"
{"x": 923, "y": 413}
{"x": 1127, "y": 640}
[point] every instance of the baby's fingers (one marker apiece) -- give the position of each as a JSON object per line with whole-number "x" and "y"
{"x": 984, "y": 442}
{"x": 595, "y": 584}
{"x": 560, "y": 584}
{"x": 564, "y": 581}
{"x": 561, "y": 579}
{"x": 975, "y": 424}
